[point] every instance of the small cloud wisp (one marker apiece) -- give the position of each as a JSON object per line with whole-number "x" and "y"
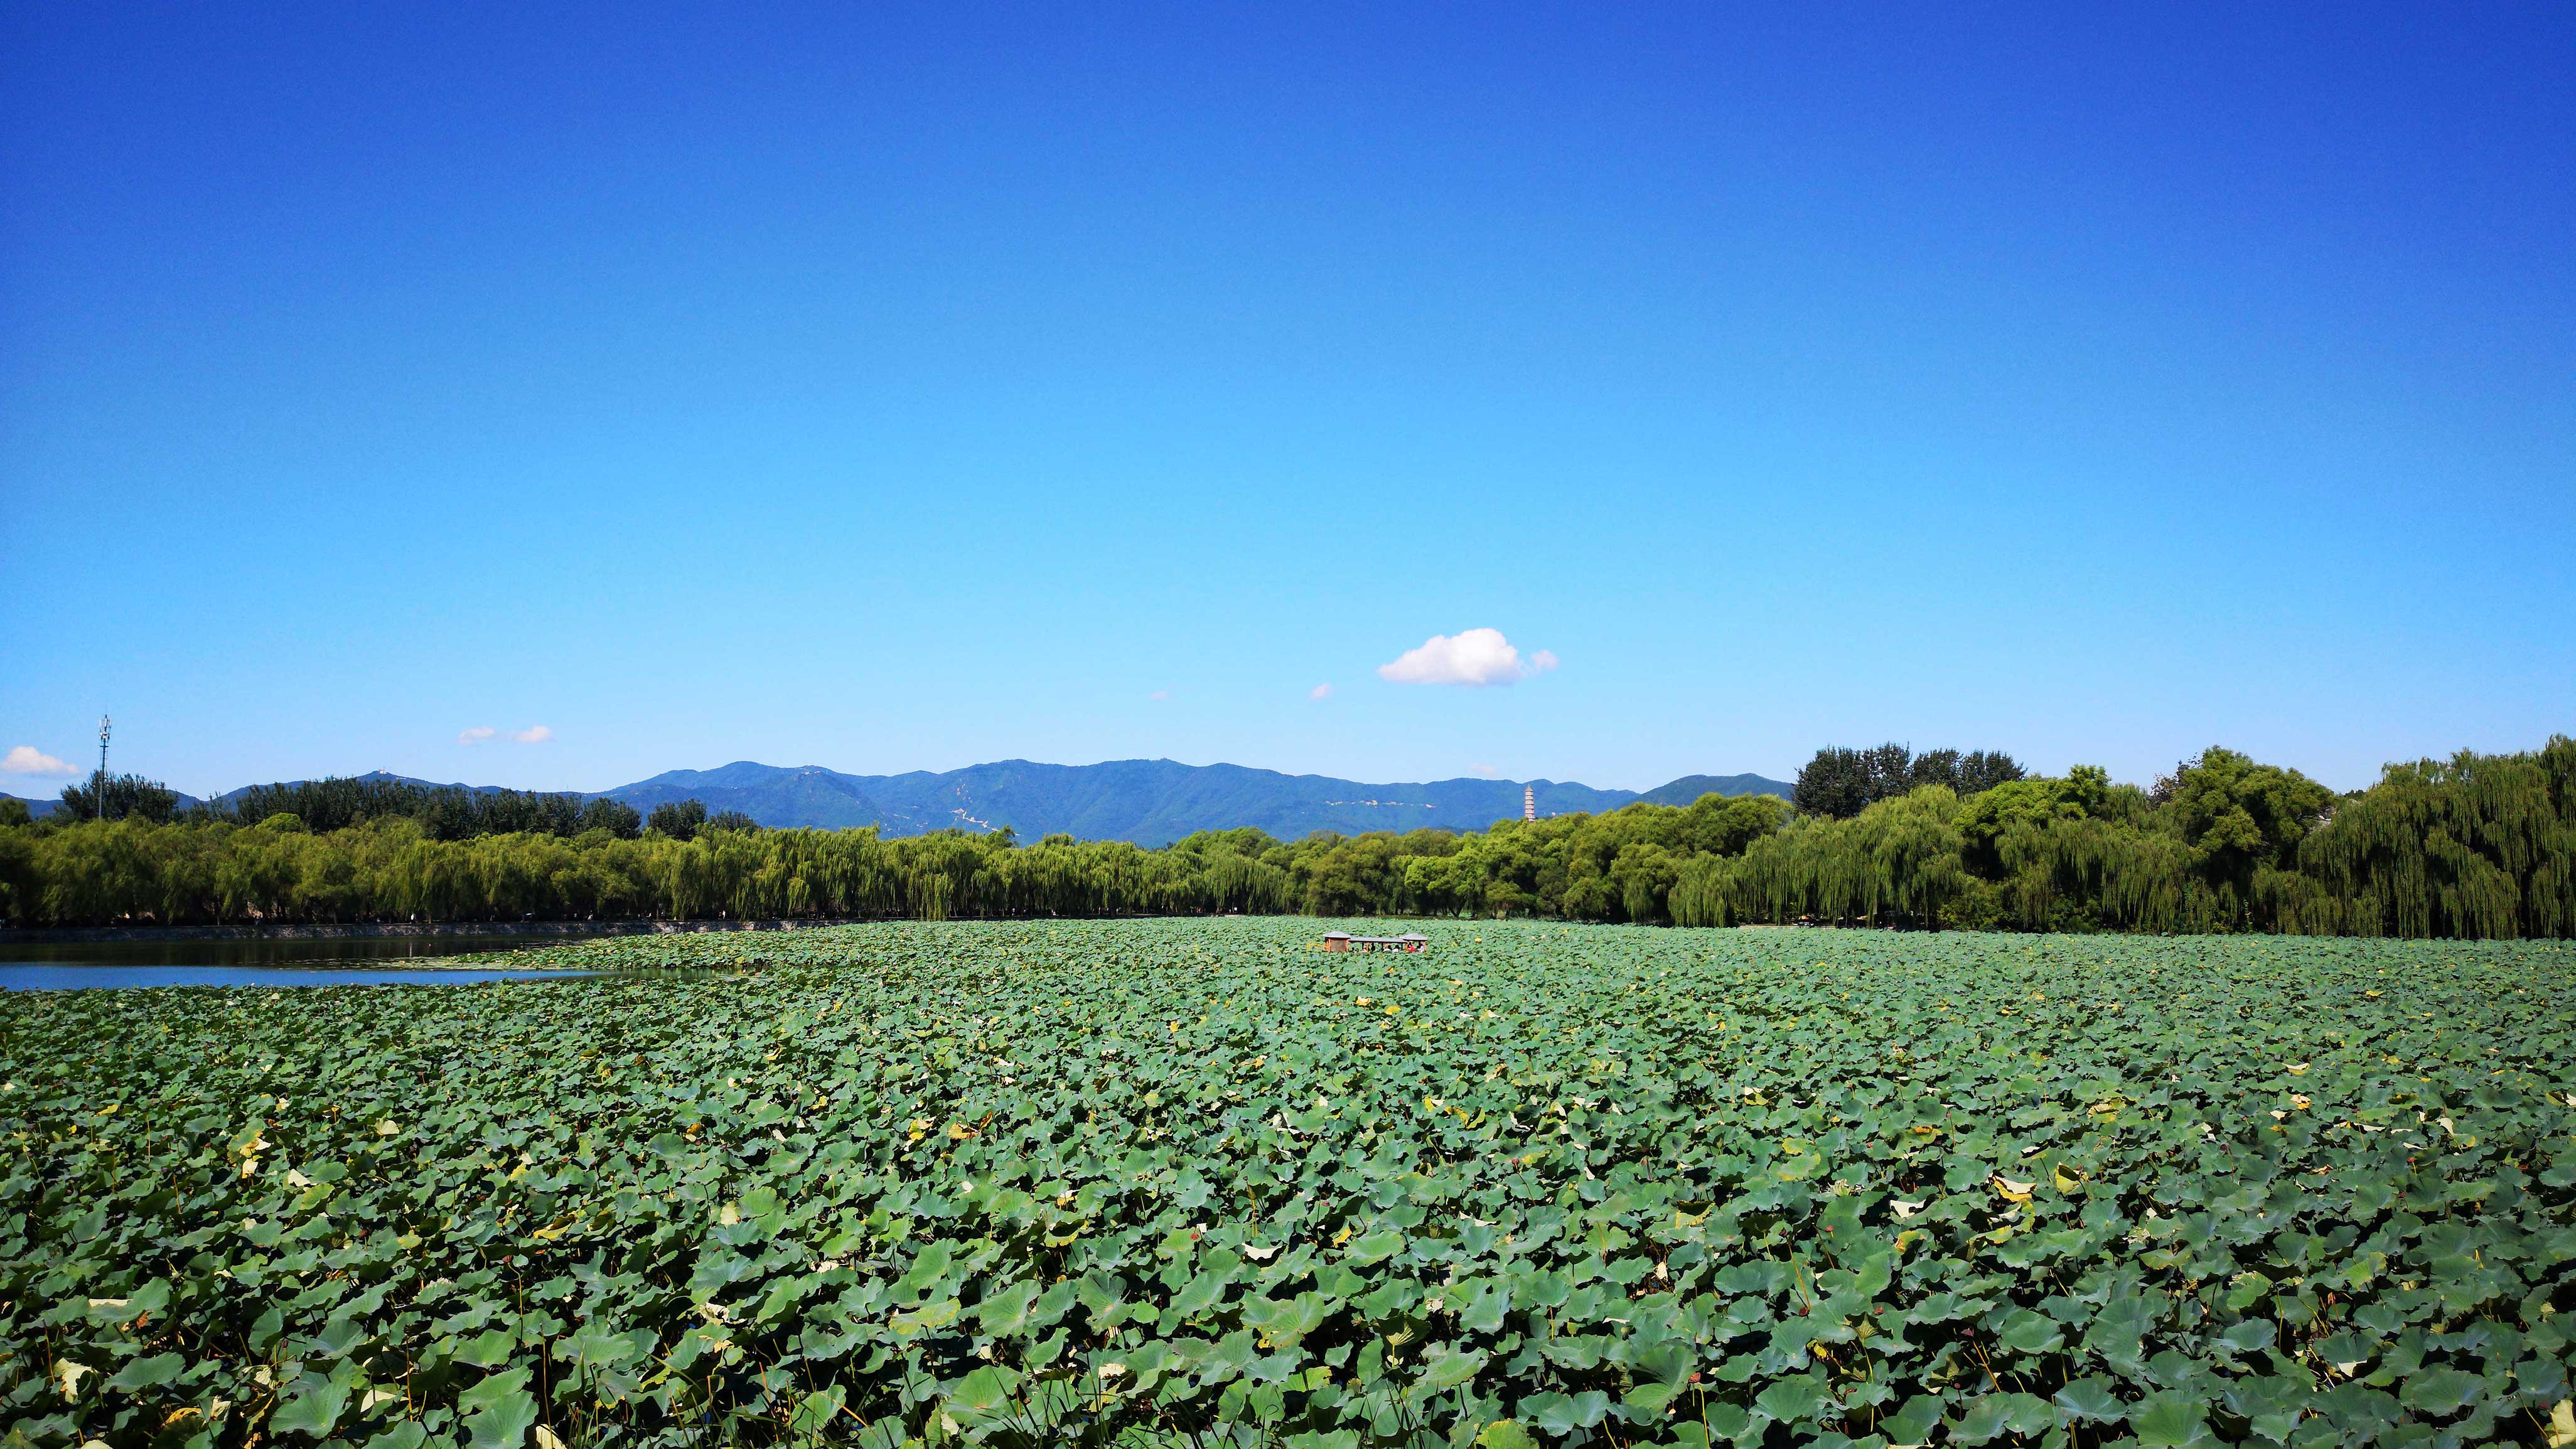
{"x": 1472, "y": 657}
{"x": 28, "y": 760}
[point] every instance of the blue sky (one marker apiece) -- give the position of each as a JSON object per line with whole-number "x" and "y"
{"x": 904, "y": 388}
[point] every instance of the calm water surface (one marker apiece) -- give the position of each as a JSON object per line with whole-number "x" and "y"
{"x": 27, "y": 976}
{"x": 328, "y": 961}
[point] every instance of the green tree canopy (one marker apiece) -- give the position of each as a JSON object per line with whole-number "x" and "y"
{"x": 116, "y": 797}
{"x": 678, "y": 819}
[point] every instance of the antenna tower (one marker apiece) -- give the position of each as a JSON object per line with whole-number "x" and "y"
{"x": 104, "y": 726}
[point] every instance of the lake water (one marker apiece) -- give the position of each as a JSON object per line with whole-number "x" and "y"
{"x": 326, "y": 961}
{"x": 22, "y": 976}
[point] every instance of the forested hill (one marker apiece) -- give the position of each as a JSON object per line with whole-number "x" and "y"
{"x": 232, "y": 798}
{"x": 1689, "y": 788}
{"x": 1149, "y": 802}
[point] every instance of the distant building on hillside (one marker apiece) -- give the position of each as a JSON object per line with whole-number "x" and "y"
{"x": 1529, "y": 802}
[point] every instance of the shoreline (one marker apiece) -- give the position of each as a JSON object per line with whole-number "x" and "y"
{"x": 368, "y": 930}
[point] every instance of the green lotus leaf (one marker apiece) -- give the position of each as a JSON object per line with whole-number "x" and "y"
{"x": 1374, "y": 1247}
{"x": 1007, "y": 1312}
{"x": 150, "y": 1373}
{"x": 2442, "y": 1391}
{"x": 2027, "y": 1332}
{"x": 1913, "y": 1424}
{"x": 1448, "y": 1369}
{"x": 1793, "y": 1400}
{"x": 2170, "y": 1421}
{"x": 2090, "y": 1400}
{"x": 488, "y": 1349}
{"x": 984, "y": 1392}
{"x": 313, "y": 1409}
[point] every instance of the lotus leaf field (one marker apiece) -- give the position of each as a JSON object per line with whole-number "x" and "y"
{"x": 1195, "y": 1182}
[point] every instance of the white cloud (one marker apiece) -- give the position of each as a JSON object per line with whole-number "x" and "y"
{"x": 532, "y": 735}
{"x": 28, "y": 760}
{"x": 1487, "y": 771}
{"x": 475, "y": 736}
{"x": 1320, "y": 691}
{"x": 1160, "y": 694}
{"x": 1470, "y": 657}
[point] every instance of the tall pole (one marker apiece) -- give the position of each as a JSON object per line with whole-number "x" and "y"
{"x": 104, "y": 725}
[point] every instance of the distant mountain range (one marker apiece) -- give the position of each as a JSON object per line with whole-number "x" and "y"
{"x": 233, "y": 797}
{"x": 1149, "y": 802}
{"x": 40, "y": 807}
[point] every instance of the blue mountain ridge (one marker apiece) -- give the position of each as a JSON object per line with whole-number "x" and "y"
{"x": 1148, "y": 802}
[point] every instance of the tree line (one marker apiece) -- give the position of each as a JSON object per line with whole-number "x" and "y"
{"x": 2475, "y": 846}
{"x": 444, "y": 812}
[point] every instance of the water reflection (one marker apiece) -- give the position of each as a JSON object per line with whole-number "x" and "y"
{"x": 279, "y": 950}
{"x": 43, "y": 976}
{"x": 270, "y": 960}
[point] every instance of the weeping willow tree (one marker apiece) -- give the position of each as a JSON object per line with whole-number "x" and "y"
{"x": 2109, "y": 875}
{"x": 1898, "y": 862}
{"x": 2474, "y": 846}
